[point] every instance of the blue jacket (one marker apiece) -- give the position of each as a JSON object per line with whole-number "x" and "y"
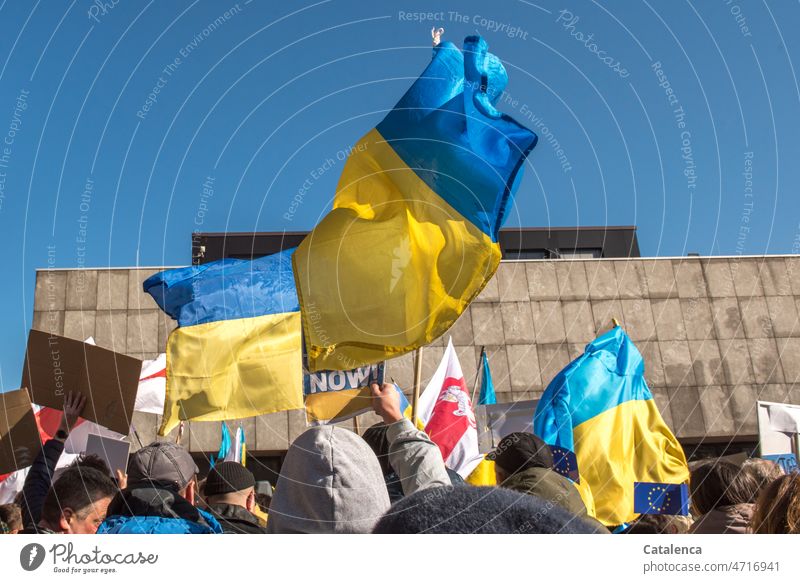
{"x": 150, "y": 509}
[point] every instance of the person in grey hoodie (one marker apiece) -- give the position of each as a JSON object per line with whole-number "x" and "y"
{"x": 331, "y": 481}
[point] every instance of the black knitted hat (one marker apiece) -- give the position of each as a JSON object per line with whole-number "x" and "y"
{"x": 227, "y": 477}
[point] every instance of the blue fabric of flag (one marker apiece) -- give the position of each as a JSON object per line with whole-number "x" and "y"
{"x": 227, "y": 289}
{"x": 487, "y": 396}
{"x": 459, "y": 91}
{"x": 658, "y": 498}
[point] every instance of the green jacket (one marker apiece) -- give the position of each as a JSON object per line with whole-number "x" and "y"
{"x": 549, "y": 485}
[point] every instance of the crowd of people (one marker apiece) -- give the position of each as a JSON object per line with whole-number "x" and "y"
{"x": 392, "y": 480}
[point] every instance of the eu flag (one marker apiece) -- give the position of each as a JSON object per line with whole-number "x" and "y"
{"x": 658, "y": 498}
{"x": 565, "y": 463}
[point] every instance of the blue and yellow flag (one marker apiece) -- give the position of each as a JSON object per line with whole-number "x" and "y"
{"x": 412, "y": 237}
{"x": 224, "y": 445}
{"x": 487, "y": 396}
{"x": 237, "y": 351}
{"x": 600, "y": 418}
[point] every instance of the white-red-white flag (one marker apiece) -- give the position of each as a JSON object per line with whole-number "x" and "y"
{"x": 152, "y": 386}
{"x": 445, "y": 408}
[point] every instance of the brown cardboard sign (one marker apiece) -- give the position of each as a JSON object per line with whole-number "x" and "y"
{"x": 55, "y": 365}
{"x": 19, "y": 435}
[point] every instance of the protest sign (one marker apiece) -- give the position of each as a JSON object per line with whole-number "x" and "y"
{"x": 787, "y": 461}
{"x": 55, "y": 365}
{"x": 779, "y": 433}
{"x": 19, "y": 434}
{"x": 505, "y": 418}
{"x": 112, "y": 451}
{"x": 336, "y": 395}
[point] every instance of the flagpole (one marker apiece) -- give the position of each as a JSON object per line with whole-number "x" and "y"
{"x": 478, "y": 375}
{"x": 417, "y": 381}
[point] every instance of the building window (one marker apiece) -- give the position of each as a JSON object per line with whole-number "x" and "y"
{"x": 580, "y": 253}
{"x": 526, "y": 254}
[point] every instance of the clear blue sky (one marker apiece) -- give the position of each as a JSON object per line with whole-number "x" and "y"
{"x": 261, "y": 100}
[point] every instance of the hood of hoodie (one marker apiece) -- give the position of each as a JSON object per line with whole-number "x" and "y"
{"x": 330, "y": 482}
{"x": 725, "y": 520}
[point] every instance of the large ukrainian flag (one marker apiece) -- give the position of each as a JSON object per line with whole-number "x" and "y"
{"x": 606, "y": 431}
{"x": 237, "y": 351}
{"x": 412, "y": 237}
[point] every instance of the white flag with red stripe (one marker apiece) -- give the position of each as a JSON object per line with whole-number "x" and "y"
{"x": 152, "y": 386}
{"x": 445, "y": 408}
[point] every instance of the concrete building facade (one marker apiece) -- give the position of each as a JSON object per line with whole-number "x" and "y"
{"x": 717, "y": 334}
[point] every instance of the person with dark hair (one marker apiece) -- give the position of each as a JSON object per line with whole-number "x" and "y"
{"x": 91, "y": 461}
{"x": 723, "y": 496}
{"x": 76, "y": 503}
{"x": 231, "y": 498}
{"x": 764, "y": 471}
{"x": 778, "y": 508}
{"x": 480, "y": 510}
{"x": 40, "y": 477}
{"x": 524, "y": 463}
{"x": 11, "y": 515}
{"x": 160, "y": 495}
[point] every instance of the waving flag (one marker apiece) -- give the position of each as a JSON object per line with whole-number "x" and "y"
{"x": 236, "y": 453}
{"x": 487, "y": 395}
{"x": 446, "y": 411}
{"x": 412, "y": 237}
{"x": 607, "y": 434}
{"x": 237, "y": 349}
{"x": 152, "y": 386}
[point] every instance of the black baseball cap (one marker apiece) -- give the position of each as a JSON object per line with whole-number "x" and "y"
{"x": 520, "y": 451}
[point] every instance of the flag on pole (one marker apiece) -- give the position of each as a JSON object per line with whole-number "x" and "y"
{"x": 487, "y": 396}
{"x": 607, "y": 434}
{"x": 445, "y": 409}
{"x": 152, "y": 386}
{"x": 413, "y": 234}
{"x": 237, "y": 349}
{"x": 236, "y": 452}
{"x": 224, "y": 444}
